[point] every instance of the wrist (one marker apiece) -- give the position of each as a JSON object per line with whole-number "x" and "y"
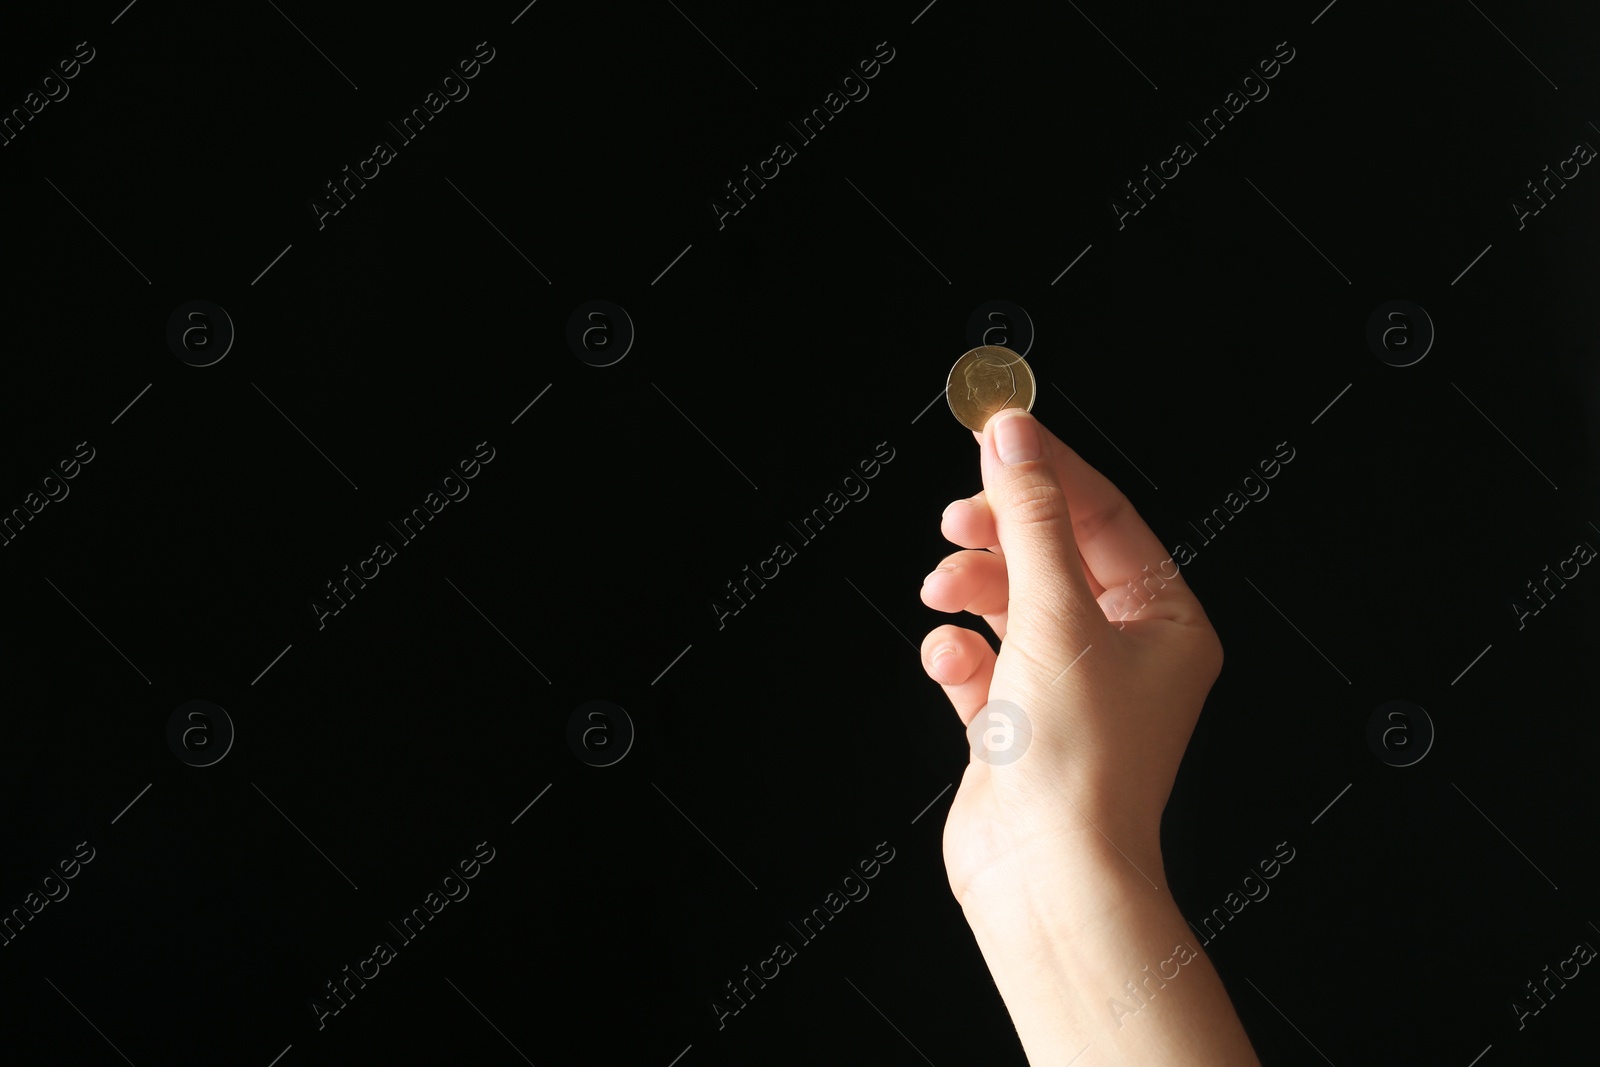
{"x": 1069, "y": 872}
{"x": 1079, "y": 943}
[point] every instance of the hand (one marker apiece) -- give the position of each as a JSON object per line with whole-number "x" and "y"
{"x": 1104, "y": 648}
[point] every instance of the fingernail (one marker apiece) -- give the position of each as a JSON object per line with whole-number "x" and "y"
{"x": 953, "y": 505}
{"x": 939, "y": 655}
{"x": 1016, "y": 438}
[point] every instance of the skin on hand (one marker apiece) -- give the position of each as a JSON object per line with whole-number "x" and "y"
{"x": 1055, "y": 856}
{"x": 1103, "y": 647}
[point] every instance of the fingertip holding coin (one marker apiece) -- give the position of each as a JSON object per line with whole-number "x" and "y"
{"x": 994, "y": 420}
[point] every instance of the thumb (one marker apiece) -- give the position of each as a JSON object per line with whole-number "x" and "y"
{"x": 1051, "y": 606}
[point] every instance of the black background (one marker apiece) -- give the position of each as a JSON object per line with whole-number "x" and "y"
{"x": 771, "y": 357}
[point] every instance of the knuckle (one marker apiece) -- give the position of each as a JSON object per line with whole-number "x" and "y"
{"x": 1047, "y": 621}
{"x": 1034, "y": 502}
{"x": 1093, "y": 523}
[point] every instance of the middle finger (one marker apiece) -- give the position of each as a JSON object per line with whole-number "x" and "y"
{"x": 973, "y": 581}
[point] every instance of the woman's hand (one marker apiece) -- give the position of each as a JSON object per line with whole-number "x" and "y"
{"x": 1105, "y": 659}
{"x": 1052, "y": 844}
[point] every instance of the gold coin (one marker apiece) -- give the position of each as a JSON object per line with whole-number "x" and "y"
{"x": 984, "y": 381}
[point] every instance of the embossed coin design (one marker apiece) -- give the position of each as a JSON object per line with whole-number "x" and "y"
{"x": 984, "y": 381}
